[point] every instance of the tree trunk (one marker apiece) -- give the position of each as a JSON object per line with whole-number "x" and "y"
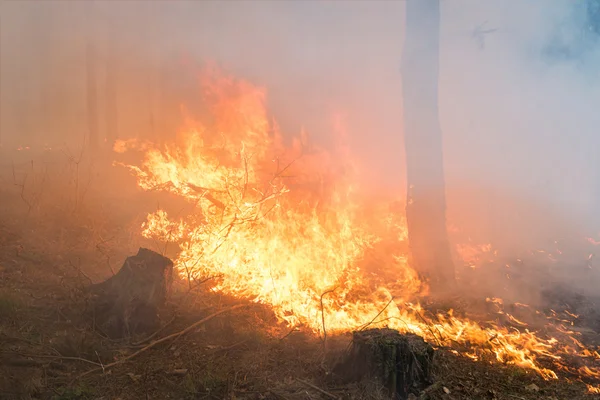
{"x": 402, "y": 364}
{"x": 426, "y": 198}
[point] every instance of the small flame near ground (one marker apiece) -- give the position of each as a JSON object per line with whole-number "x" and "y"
{"x": 285, "y": 223}
{"x": 593, "y": 389}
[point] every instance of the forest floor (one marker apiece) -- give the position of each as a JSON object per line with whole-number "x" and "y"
{"x": 50, "y": 349}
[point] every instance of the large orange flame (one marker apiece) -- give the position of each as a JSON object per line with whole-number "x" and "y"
{"x": 286, "y": 224}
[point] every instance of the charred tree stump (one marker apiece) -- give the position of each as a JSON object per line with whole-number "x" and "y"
{"x": 401, "y": 363}
{"x": 128, "y": 303}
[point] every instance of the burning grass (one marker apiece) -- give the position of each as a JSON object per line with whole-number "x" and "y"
{"x": 246, "y": 354}
{"x": 279, "y": 225}
{"x": 288, "y": 226}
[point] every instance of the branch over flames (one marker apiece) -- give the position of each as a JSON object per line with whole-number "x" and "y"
{"x": 283, "y": 224}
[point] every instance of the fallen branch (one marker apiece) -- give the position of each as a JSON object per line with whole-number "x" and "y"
{"x": 159, "y": 341}
{"x": 318, "y": 389}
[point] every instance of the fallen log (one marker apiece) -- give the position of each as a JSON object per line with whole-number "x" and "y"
{"x": 401, "y": 363}
{"x": 128, "y": 303}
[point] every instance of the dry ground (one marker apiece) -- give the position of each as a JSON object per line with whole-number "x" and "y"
{"x": 51, "y": 247}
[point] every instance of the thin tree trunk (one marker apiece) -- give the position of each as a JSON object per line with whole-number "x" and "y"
{"x": 426, "y": 199}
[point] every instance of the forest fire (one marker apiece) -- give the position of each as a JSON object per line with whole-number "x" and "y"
{"x": 288, "y": 225}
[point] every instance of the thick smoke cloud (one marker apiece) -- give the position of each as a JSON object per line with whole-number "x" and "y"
{"x": 518, "y": 111}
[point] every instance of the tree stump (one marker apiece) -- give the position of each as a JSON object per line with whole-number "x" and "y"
{"x": 128, "y": 303}
{"x": 402, "y": 363}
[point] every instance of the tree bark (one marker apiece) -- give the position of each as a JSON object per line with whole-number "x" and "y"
{"x": 426, "y": 198}
{"x": 129, "y": 302}
{"x": 402, "y": 364}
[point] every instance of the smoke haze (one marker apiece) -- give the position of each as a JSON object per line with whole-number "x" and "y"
{"x": 519, "y": 122}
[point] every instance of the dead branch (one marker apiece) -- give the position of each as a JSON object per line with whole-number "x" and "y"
{"x": 430, "y": 329}
{"x": 294, "y": 329}
{"x": 323, "y": 315}
{"x": 197, "y": 283}
{"x": 157, "y": 342}
{"x": 205, "y": 192}
{"x": 378, "y": 314}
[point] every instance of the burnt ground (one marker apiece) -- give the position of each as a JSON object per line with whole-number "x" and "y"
{"x": 50, "y": 349}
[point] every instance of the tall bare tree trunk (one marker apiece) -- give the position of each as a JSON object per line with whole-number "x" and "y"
{"x": 426, "y": 198}
{"x": 91, "y": 84}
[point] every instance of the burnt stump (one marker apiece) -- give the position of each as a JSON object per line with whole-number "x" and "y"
{"x": 128, "y": 303}
{"x": 402, "y": 363}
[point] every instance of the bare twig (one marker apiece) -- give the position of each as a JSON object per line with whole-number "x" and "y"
{"x": 99, "y": 360}
{"x": 100, "y": 248}
{"x": 159, "y": 341}
{"x": 22, "y": 186}
{"x": 323, "y": 315}
{"x": 294, "y": 329}
{"x": 430, "y": 329}
{"x": 378, "y": 314}
{"x": 196, "y": 284}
